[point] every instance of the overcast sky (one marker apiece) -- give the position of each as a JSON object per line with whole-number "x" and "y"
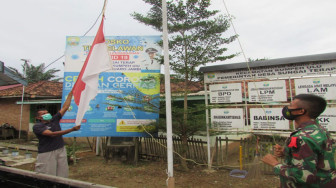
{"x": 36, "y": 29}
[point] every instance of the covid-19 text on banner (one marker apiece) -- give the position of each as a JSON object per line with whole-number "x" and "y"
{"x": 127, "y": 103}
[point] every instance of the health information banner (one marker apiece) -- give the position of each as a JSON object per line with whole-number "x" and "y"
{"x": 128, "y": 94}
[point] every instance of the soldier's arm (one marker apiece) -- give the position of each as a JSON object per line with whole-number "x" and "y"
{"x": 279, "y": 151}
{"x": 304, "y": 160}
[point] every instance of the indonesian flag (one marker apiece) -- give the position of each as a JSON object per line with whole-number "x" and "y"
{"x": 86, "y": 86}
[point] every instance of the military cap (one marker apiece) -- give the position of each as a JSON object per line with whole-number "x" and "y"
{"x": 151, "y": 50}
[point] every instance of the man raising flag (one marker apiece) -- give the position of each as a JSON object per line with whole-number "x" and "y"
{"x": 97, "y": 61}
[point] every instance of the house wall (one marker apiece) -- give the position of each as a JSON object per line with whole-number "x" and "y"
{"x": 10, "y": 112}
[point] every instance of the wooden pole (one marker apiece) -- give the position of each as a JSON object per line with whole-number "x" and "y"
{"x": 87, "y": 138}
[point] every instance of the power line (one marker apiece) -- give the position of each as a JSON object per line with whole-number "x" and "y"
{"x": 81, "y": 36}
{"x": 246, "y": 60}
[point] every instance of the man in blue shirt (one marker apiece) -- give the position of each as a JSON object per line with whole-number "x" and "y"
{"x": 52, "y": 157}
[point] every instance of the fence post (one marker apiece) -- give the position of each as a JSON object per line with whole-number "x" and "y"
{"x": 217, "y": 161}
{"x": 220, "y": 150}
{"x": 226, "y": 149}
{"x": 204, "y": 158}
{"x": 241, "y": 154}
{"x": 136, "y": 150}
{"x": 140, "y": 146}
{"x": 245, "y": 150}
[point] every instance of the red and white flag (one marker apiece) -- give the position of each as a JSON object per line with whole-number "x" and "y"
{"x": 97, "y": 61}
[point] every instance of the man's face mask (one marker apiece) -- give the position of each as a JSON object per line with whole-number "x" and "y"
{"x": 287, "y": 113}
{"x": 47, "y": 117}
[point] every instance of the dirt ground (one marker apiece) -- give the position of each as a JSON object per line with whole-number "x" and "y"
{"x": 147, "y": 174}
{"x": 92, "y": 168}
{"x": 153, "y": 174}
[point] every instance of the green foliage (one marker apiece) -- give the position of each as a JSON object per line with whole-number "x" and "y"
{"x": 36, "y": 73}
{"x": 196, "y": 37}
{"x": 196, "y": 34}
{"x": 71, "y": 151}
{"x": 194, "y": 123}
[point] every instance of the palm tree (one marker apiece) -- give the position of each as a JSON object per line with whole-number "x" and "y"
{"x": 36, "y": 73}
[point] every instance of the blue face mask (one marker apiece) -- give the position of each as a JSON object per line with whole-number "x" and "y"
{"x": 46, "y": 117}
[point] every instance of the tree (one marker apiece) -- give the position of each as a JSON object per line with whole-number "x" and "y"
{"x": 36, "y": 73}
{"x": 196, "y": 38}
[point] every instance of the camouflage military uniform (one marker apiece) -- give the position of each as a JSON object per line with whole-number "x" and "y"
{"x": 309, "y": 158}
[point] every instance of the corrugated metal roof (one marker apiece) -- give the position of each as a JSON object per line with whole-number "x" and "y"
{"x": 271, "y": 62}
{"x": 7, "y": 77}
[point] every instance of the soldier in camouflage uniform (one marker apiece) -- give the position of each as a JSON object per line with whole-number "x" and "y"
{"x": 309, "y": 151}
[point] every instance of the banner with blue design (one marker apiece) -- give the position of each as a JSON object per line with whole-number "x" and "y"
{"x": 128, "y": 96}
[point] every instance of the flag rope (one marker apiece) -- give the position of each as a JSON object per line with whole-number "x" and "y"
{"x": 247, "y": 64}
{"x": 191, "y": 160}
{"x": 95, "y": 22}
{"x": 187, "y": 159}
{"x": 178, "y": 154}
{"x": 144, "y": 128}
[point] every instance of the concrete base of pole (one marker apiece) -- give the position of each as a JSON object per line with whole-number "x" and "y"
{"x": 171, "y": 182}
{"x": 209, "y": 171}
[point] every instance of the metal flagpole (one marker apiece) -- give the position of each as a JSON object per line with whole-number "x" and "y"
{"x": 170, "y": 180}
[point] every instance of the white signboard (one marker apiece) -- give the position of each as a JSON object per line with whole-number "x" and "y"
{"x": 328, "y": 119}
{"x": 268, "y": 118}
{"x": 280, "y": 71}
{"x": 267, "y": 91}
{"x": 226, "y": 93}
{"x": 324, "y": 87}
{"x": 228, "y": 118}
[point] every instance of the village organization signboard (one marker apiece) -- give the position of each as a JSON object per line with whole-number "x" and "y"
{"x": 225, "y": 93}
{"x": 279, "y": 71}
{"x": 322, "y": 86}
{"x": 227, "y": 118}
{"x": 128, "y": 94}
{"x": 268, "y": 118}
{"x": 328, "y": 119}
{"x": 267, "y": 91}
